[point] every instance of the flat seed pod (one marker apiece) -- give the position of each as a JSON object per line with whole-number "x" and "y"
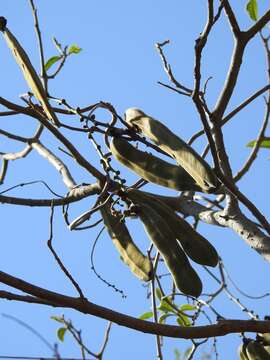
{"x": 138, "y": 263}
{"x": 265, "y": 338}
{"x": 151, "y": 168}
{"x": 185, "y": 277}
{"x": 256, "y": 351}
{"x": 30, "y": 74}
{"x": 195, "y": 245}
{"x": 267, "y": 348}
{"x": 184, "y": 154}
{"x": 242, "y": 352}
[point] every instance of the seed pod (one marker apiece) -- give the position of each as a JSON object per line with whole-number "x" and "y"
{"x": 151, "y": 168}
{"x": 138, "y": 263}
{"x": 184, "y": 154}
{"x": 185, "y": 277}
{"x": 242, "y": 352}
{"x": 256, "y": 351}
{"x": 265, "y": 338}
{"x": 195, "y": 245}
{"x": 30, "y": 74}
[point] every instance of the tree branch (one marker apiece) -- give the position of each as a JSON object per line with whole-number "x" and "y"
{"x": 82, "y": 305}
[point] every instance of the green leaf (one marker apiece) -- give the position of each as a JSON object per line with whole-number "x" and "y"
{"x": 252, "y": 9}
{"x": 163, "y": 317}
{"x": 165, "y": 307}
{"x": 265, "y": 143}
{"x": 74, "y": 49}
{"x": 52, "y": 61}
{"x": 187, "y": 307}
{"x": 146, "y": 315}
{"x": 58, "y": 319}
{"x": 158, "y": 293}
{"x": 183, "y": 320}
{"x": 61, "y": 333}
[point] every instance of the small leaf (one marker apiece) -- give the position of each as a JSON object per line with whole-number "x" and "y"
{"x": 74, "y": 49}
{"x": 58, "y": 319}
{"x": 265, "y": 143}
{"x": 165, "y": 307}
{"x": 158, "y": 293}
{"x": 187, "y": 307}
{"x": 183, "y": 321}
{"x": 61, "y": 333}
{"x": 52, "y": 61}
{"x": 163, "y": 317}
{"x": 146, "y": 315}
{"x": 252, "y": 9}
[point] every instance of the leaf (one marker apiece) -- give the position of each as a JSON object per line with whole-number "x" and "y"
{"x": 146, "y": 315}
{"x": 74, "y": 49}
{"x": 165, "y": 307}
{"x": 183, "y": 320}
{"x": 58, "y": 319}
{"x": 252, "y": 9}
{"x": 61, "y": 333}
{"x": 265, "y": 143}
{"x": 163, "y": 317}
{"x": 52, "y": 61}
{"x": 187, "y": 307}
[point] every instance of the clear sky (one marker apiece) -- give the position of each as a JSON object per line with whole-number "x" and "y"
{"x": 120, "y": 64}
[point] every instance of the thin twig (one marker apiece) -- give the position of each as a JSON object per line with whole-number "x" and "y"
{"x": 58, "y": 260}
{"x": 41, "y": 51}
{"x": 256, "y": 148}
{"x": 154, "y": 309}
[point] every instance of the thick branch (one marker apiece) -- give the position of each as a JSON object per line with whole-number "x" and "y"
{"x": 230, "y": 82}
{"x": 231, "y": 17}
{"x": 258, "y": 26}
{"x": 82, "y": 305}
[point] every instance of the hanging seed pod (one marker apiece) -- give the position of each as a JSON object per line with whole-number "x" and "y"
{"x": 184, "y": 154}
{"x": 256, "y": 351}
{"x": 151, "y": 168}
{"x": 138, "y": 263}
{"x": 196, "y": 247}
{"x": 185, "y": 277}
{"x": 242, "y": 352}
{"x": 29, "y": 74}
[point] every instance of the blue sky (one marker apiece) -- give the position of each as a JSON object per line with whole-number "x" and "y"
{"x": 119, "y": 64}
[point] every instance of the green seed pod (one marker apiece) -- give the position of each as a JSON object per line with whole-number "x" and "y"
{"x": 138, "y": 263}
{"x": 185, "y": 277}
{"x": 184, "y": 154}
{"x": 30, "y": 74}
{"x": 195, "y": 245}
{"x": 256, "y": 351}
{"x": 151, "y": 168}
